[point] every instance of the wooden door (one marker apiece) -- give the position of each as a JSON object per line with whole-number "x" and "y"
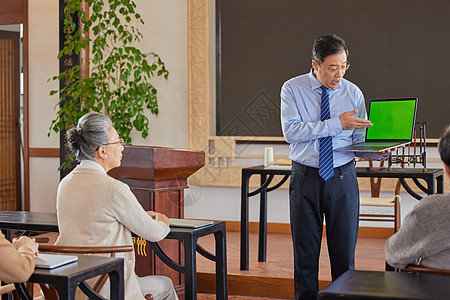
{"x": 10, "y": 178}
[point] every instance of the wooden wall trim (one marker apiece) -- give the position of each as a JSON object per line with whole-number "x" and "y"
{"x": 11, "y": 11}
{"x": 249, "y": 285}
{"x": 44, "y": 152}
{"x": 364, "y": 232}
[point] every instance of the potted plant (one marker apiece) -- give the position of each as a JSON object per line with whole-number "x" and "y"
{"x": 119, "y": 81}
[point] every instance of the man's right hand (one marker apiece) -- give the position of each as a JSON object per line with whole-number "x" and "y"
{"x": 350, "y": 122}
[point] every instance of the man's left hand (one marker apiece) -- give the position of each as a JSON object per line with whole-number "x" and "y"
{"x": 386, "y": 152}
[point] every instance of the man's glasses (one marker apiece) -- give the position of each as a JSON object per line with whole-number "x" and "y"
{"x": 334, "y": 70}
{"x": 120, "y": 141}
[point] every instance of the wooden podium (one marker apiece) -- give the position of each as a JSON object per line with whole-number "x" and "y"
{"x": 158, "y": 176}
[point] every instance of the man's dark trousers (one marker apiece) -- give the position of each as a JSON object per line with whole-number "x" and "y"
{"x": 311, "y": 198}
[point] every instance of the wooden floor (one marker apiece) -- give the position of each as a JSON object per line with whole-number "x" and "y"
{"x": 274, "y": 278}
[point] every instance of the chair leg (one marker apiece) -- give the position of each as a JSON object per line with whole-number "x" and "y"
{"x": 397, "y": 215}
{"x": 22, "y": 291}
{"x": 49, "y": 292}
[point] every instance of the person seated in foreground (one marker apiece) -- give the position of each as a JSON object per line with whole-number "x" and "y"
{"x": 17, "y": 258}
{"x": 423, "y": 238}
{"x": 95, "y": 209}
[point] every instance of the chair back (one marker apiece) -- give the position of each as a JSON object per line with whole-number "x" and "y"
{"x": 376, "y": 200}
{"x": 423, "y": 269}
{"x": 8, "y": 288}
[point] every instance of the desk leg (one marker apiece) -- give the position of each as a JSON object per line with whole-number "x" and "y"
{"x": 22, "y": 291}
{"x": 117, "y": 291}
{"x": 440, "y": 184}
{"x": 388, "y": 267}
{"x": 262, "y": 247}
{"x": 244, "y": 221}
{"x": 65, "y": 291}
{"x": 430, "y": 186}
{"x": 221, "y": 265}
{"x": 7, "y": 234}
{"x": 190, "y": 274}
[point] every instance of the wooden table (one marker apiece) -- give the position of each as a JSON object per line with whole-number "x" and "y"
{"x": 37, "y": 221}
{"x": 432, "y": 177}
{"x": 189, "y": 238}
{"x": 66, "y": 279}
{"x": 387, "y": 285}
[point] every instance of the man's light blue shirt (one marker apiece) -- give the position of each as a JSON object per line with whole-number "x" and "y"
{"x": 301, "y": 125}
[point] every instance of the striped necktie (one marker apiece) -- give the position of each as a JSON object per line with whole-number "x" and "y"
{"x": 326, "y": 170}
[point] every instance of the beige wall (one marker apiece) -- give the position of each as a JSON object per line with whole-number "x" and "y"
{"x": 43, "y": 50}
{"x": 165, "y": 32}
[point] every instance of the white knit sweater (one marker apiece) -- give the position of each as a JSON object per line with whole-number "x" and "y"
{"x": 95, "y": 209}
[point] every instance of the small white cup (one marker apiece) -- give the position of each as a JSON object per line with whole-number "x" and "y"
{"x": 268, "y": 156}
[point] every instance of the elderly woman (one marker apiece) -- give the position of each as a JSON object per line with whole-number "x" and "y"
{"x": 95, "y": 209}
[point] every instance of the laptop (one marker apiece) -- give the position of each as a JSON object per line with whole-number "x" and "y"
{"x": 189, "y": 223}
{"x": 393, "y": 125}
{"x": 51, "y": 261}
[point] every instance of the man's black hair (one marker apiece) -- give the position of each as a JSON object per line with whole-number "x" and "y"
{"x": 326, "y": 45}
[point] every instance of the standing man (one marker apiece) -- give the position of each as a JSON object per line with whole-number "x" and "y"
{"x": 321, "y": 111}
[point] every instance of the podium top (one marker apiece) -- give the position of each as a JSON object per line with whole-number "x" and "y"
{"x": 158, "y": 163}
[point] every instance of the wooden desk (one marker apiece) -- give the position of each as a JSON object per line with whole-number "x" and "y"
{"x": 22, "y": 220}
{"x": 25, "y": 220}
{"x": 189, "y": 238}
{"x": 431, "y": 176}
{"x": 67, "y": 278}
{"x": 387, "y": 285}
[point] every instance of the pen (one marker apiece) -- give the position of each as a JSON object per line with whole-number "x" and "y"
{"x": 22, "y": 234}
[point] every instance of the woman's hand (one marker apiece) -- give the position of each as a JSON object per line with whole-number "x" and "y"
{"x": 159, "y": 217}
{"x": 163, "y": 218}
{"x": 27, "y": 242}
{"x": 152, "y": 214}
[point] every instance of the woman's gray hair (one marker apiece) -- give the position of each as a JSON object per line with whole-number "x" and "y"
{"x": 91, "y": 132}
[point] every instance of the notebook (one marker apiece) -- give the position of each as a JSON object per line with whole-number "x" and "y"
{"x": 51, "y": 261}
{"x": 189, "y": 223}
{"x": 393, "y": 125}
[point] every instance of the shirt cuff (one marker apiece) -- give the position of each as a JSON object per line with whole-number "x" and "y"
{"x": 334, "y": 126}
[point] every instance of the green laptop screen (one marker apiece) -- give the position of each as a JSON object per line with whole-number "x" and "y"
{"x": 391, "y": 119}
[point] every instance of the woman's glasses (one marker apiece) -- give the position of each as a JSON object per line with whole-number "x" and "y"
{"x": 120, "y": 141}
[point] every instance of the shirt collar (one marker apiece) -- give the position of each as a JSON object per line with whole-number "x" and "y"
{"x": 90, "y": 164}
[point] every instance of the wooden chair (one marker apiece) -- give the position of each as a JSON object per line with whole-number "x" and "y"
{"x": 376, "y": 201}
{"x": 423, "y": 269}
{"x": 51, "y": 294}
{"x": 7, "y": 289}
